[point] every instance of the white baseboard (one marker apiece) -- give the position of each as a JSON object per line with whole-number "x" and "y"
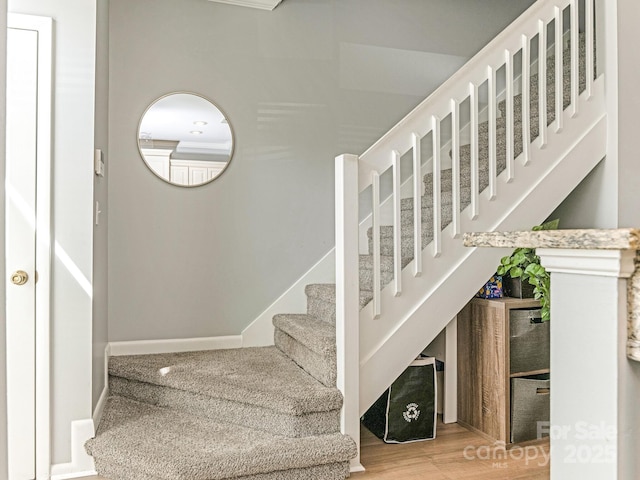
{"x": 143, "y": 347}
{"x": 64, "y": 476}
{"x": 81, "y": 464}
{"x": 97, "y": 413}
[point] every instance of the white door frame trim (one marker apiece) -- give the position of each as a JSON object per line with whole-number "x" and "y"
{"x": 44, "y": 27}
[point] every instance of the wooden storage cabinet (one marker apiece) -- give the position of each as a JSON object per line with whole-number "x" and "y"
{"x": 484, "y": 381}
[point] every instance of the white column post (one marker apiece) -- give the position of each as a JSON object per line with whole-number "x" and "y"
{"x": 588, "y": 347}
{"x": 450, "y": 411}
{"x": 347, "y": 298}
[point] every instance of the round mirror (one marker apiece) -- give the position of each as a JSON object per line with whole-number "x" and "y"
{"x": 185, "y": 139}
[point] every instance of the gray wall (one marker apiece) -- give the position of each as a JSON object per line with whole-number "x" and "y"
{"x": 3, "y": 276}
{"x": 300, "y": 85}
{"x": 100, "y": 195}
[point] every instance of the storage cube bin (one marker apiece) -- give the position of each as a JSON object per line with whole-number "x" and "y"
{"x": 529, "y": 341}
{"x": 529, "y": 406}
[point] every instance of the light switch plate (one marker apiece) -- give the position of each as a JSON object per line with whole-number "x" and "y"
{"x": 98, "y": 163}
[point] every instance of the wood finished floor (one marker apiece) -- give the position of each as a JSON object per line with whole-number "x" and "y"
{"x": 455, "y": 454}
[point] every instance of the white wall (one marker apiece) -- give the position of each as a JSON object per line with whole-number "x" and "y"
{"x": 100, "y": 195}
{"x": 628, "y": 214}
{"x": 206, "y": 261}
{"x": 71, "y": 322}
{"x": 608, "y": 198}
{"x": 3, "y": 276}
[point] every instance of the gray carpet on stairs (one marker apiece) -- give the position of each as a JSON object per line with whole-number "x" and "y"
{"x": 140, "y": 441}
{"x": 261, "y": 376}
{"x": 310, "y": 343}
{"x": 230, "y": 411}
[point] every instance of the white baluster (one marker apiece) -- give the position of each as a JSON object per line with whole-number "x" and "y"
{"x": 526, "y": 100}
{"x": 418, "y": 183}
{"x": 437, "y": 194}
{"x": 589, "y": 60}
{"x": 347, "y": 297}
{"x": 375, "y": 208}
{"x": 475, "y": 180}
{"x": 542, "y": 83}
{"x": 575, "y": 48}
{"x": 493, "y": 169}
{"x": 508, "y": 69}
{"x": 455, "y": 166}
{"x": 397, "y": 227}
{"x": 559, "y": 71}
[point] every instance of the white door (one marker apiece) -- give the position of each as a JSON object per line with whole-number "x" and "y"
{"x": 28, "y": 155}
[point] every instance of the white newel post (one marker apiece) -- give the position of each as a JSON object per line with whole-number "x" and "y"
{"x": 347, "y": 298}
{"x": 588, "y": 351}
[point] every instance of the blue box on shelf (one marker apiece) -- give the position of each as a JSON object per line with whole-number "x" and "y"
{"x": 491, "y": 289}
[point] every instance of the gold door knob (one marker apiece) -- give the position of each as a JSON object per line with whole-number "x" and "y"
{"x": 19, "y": 277}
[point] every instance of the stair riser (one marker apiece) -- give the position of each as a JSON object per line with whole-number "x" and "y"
{"x": 334, "y": 471}
{"x": 227, "y": 411}
{"x": 321, "y": 309}
{"x": 366, "y": 278}
{"x": 321, "y": 367}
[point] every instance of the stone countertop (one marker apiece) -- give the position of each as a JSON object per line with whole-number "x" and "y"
{"x": 615, "y": 239}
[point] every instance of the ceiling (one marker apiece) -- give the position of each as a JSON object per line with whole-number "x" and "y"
{"x": 261, "y": 4}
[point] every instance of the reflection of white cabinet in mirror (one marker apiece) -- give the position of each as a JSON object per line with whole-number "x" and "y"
{"x": 158, "y": 160}
{"x": 194, "y": 172}
{"x": 185, "y": 139}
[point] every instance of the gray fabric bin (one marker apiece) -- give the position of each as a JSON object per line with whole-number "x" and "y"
{"x": 529, "y": 342}
{"x": 529, "y": 406}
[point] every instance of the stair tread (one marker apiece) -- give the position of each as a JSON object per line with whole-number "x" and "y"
{"x": 315, "y": 334}
{"x": 169, "y": 444}
{"x": 261, "y": 376}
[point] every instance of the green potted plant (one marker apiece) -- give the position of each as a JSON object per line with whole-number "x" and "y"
{"x": 523, "y": 267}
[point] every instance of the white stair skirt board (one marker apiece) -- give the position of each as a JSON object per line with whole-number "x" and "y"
{"x": 81, "y": 464}
{"x": 260, "y": 332}
{"x": 142, "y": 347}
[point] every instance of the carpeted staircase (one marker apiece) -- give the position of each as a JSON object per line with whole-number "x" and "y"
{"x": 267, "y": 413}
